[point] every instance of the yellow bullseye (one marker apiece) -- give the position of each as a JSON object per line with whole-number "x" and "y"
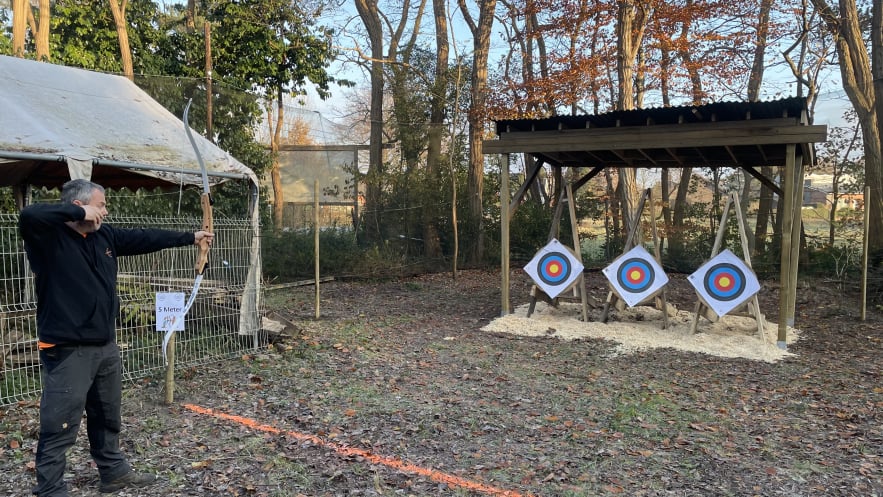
{"x": 554, "y": 268}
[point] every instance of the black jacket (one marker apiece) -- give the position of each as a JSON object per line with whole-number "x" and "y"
{"x": 77, "y": 301}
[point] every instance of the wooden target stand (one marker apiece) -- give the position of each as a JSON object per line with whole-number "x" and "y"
{"x": 659, "y": 298}
{"x": 578, "y": 287}
{"x": 753, "y": 304}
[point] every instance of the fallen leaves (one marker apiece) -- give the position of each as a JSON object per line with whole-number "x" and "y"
{"x": 409, "y": 374}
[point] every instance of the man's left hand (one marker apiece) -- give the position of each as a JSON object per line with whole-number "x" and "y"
{"x": 199, "y": 236}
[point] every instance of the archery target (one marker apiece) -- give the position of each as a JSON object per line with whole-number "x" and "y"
{"x": 724, "y": 283}
{"x": 635, "y": 276}
{"x": 554, "y": 268}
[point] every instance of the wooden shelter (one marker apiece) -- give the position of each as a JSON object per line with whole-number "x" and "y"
{"x": 742, "y": 135}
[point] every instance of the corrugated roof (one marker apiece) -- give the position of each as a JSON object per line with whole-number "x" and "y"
{"x": 793, "y": 107}
{"x": 722, "y": 134}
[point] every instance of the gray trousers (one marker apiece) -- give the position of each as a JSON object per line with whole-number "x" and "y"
{"x": 78, "y": 378}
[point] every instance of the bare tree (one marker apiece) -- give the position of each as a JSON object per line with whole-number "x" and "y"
{"x": 863, "y": 85}
{"x": 631, "y": 22}
{"x": 431, "y": 242}
{"x": 481, "y": 42}
{"x": 370, "y": 15}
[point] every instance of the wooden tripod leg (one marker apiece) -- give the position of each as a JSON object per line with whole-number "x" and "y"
{"x": 605, "y": 313}
{"x": 754, "y": 307}
{"x": 533, "y": 301}
{"x": 696, "y": 314}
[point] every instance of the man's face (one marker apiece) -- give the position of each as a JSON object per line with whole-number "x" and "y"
{"x": 99, "y": 202}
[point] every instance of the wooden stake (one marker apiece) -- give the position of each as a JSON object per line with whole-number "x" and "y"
{"x": 170, "y": 370}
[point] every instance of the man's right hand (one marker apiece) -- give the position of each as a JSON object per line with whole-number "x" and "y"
{"x": 93, "y": 214}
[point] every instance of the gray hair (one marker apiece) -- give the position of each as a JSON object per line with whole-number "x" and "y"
{"x": 79, "y": 189}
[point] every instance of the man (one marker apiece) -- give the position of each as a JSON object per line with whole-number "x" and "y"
{"x": 74, "y": 259}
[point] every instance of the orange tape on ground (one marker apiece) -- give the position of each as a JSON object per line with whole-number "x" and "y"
{"x": 392, "y": 462}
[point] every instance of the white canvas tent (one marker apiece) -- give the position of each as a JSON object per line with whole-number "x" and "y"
{"x": 59, "y": 123}
{"x": 98, "y": 124}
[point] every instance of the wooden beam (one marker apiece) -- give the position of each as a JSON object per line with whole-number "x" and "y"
{"x": 764, "y": 180}
{"x": 326, "y": 148}
{"x": 674, "y": 156}
{"x": 732, "y": 155}
{"x": 588, "y": 176}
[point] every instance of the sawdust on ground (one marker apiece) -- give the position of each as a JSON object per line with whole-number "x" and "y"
{"x": 641, "y": 328}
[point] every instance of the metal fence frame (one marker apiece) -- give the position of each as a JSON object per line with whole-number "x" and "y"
{"x": 213, "y": 327}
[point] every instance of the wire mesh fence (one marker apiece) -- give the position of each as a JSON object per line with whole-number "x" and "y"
{"x": 217, "y": 326}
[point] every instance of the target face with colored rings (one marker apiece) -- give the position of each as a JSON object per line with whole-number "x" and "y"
{"x": 724, "y": 283}
{"x": 554, "y": 268}
{"x": 635, "y": 276}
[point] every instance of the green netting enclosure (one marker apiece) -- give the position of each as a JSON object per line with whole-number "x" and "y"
{"x": 217, "y": 327}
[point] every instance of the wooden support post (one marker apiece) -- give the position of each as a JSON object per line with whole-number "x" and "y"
{"x": 796, "y": 232}
{"x": 785, "y": 290}
{"x": 316, "y": 241}
{"x": 866, "y": 223}
{"x": 504, "y": 235}
{"x": 170, "y": 371}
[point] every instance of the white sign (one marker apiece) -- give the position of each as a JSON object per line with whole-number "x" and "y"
{"x": 170, "y": 311}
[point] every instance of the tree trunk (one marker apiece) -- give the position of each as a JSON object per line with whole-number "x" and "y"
{"x": 190, "y": 15}
{"x": 686, "y": 55}
{"x": 874, "y": 170}
{"x": 764, "y": 210}
{"x": 41, "y": 31}
{"x": 664, "y": 182}
{"x": 431, "y": 241}
{"x": 20, "y": 10}
{"x": 631, "y": 22}
{"x": 275, "y": 172}
{"x": 755, "y": 80}
{"x": 865, "y": 94}
{"x": 119, "y": 21}
{"x": 368, "y": 12}
{"x": 679, "y": 215}
{"x": 481, "y": 43}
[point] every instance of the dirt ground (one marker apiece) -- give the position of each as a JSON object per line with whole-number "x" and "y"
{"x": 401, "y": 389}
